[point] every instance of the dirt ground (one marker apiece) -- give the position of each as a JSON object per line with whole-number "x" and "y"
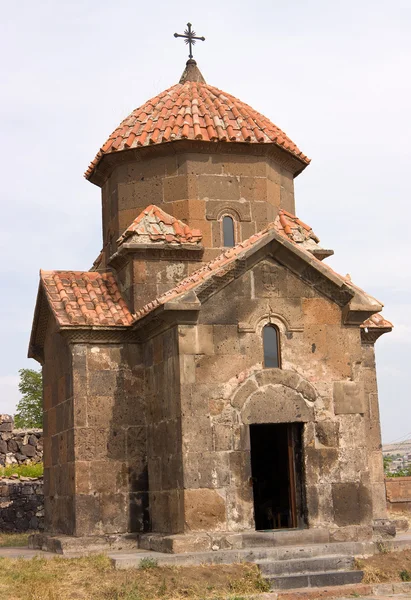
{"x": 386, "y": 566}
{"x": 94, "y": 578}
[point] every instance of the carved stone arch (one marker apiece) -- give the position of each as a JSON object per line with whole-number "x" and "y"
{"x": 276, "y": 404}
{"x": 275, "y": 396}
{"x": 265, "y": 316}
{"x": 240, "y": 211}
{"x": 272, "y": 319}
{"x": 229, "y": 212}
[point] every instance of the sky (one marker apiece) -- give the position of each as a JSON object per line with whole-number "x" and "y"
{"x": 335, "y": 76}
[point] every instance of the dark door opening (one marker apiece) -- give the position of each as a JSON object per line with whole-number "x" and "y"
{"x": 276, "y": 466}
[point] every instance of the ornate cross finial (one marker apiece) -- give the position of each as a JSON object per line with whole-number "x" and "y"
{"x": 189, "y": 38}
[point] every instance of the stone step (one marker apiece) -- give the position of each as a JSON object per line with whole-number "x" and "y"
{"x": 127, "y": 560}
{"x": 285, "y": 537}
{"x": 309, "y": 551}
{"x": 325, "y": 579}
{"x": 333, "y": 562}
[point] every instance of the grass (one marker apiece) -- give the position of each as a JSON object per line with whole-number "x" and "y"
{"x": 95, "y": 578}
{"x": 148, "y": 563}
{"x": 33, "y": 470}
{"x": 405, "y": 575}
{"x": 386, "y": 566}
{"x": 13, "y": 540}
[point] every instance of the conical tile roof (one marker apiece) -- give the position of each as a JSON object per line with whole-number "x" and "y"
{"x": 194, "y": 110}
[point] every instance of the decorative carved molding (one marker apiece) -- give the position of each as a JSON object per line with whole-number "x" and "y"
{"x": 264, "y": 316}
{"x": 216, "y": 209}
{"x": 102, "y": 335}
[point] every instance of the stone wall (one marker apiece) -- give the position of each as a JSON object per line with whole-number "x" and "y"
{"x": 21, "y": 504}
{"x": 328, "y": 382}
{"x": 95, "y": 470}
{"x": 398, "y": 494}
{"x": 19, "y": 446}
{"x": 164, "y": 450}
{"x": 110, "y": 469}
{"x": 198, "y": 189}
{"x": 58, "y": 432}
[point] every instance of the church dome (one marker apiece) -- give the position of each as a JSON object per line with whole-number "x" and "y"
{"x": 194, "y": 110}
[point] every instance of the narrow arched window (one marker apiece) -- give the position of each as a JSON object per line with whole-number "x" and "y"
{"x": 228, "y": 232}
{"x": 271, "y": 345}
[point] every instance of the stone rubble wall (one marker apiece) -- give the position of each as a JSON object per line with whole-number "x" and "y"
{"x": 21, "y": 504}
{"x": 21, "y": 499}
{"x": 19, "y": 446}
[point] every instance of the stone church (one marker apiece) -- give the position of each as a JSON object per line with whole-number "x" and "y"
{"x": 210, "y": 375}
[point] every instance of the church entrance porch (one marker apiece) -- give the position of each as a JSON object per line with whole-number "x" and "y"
{"x": 276, "y": 466}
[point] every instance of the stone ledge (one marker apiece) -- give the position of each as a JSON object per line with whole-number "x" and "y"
{"x": 221, "y": 541}
{"x": 67, "y": 544}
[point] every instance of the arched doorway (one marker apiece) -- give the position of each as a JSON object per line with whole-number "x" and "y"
{"x": 277, "y": 475}
{"x": 276, "y": 405}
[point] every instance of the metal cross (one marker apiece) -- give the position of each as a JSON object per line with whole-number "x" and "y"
{"x": 189, "y": 38}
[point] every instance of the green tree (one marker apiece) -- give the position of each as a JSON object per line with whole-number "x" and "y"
{"x": 30, "y": 407}
{"x": 387, "y": 460}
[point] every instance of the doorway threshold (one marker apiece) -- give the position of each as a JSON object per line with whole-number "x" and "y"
{"x": 285, "y": 537}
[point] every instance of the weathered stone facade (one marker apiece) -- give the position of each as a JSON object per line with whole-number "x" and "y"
{"x": 151, "y": 388}
{"x": 198, "y": 187}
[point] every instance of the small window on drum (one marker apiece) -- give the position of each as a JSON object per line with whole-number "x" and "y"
{"x": 228, "y": 232}
{"x": 271, "y": 346}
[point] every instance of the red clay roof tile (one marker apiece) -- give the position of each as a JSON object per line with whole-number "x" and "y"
{"x": 155, "y": 225}
{"x": 293, "y": 228}
{"x": 93, "y": 299}
{"x": 377, "y": 321}
{"x": 286, "y": 224}
{"x": 196, "y": 111}
{"x": 85, "y": 298}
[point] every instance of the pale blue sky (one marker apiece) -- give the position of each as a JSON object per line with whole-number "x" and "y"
{"x": 334, "y": 75}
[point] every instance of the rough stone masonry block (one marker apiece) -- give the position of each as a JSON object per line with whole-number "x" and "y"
{"x": 327, "y": 433}
{"x": 196, "y": 339}
{"x": 348, "y": 398}
{"x": 352, "y": 503}
{"x": 204, "y": 510}
{"x": 219, "y": 187}
{"x": 180, "y": 187}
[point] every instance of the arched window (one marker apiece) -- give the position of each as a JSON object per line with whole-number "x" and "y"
{"x": 271, "y": 345}
{"x": 228, "y": 232}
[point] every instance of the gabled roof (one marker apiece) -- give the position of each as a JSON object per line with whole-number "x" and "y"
{"x": 154, "y": 225}
{"x": 92, "y": 299}
{"x": 283, "y": 228}
{"x": 85, "y": 298}
{"x": 194, "y": 110}
{"x": 298, "y": 232}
